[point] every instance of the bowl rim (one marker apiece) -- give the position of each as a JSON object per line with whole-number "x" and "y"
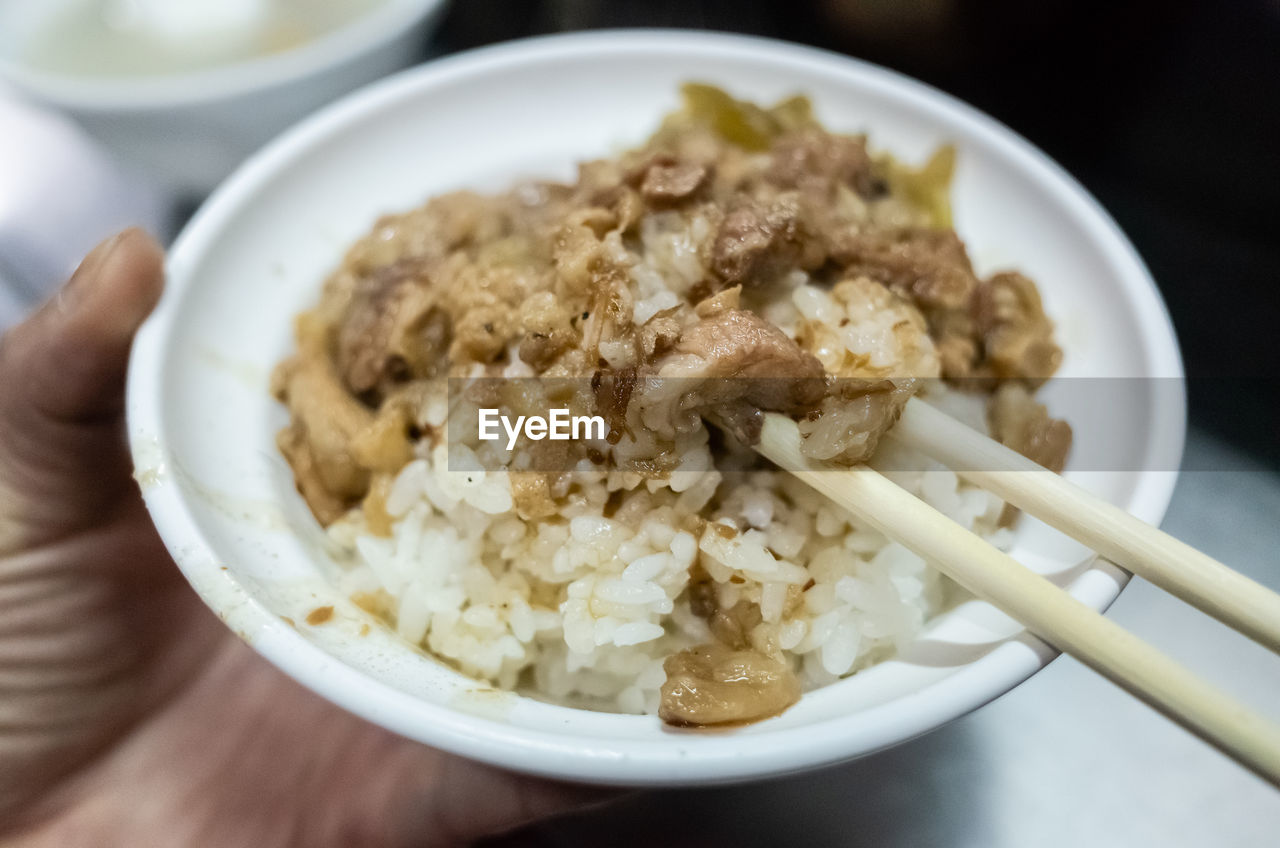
{"x": 365, "y": 32}
{"x": 631, "y": 761}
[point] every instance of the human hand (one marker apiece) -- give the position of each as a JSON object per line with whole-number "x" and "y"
{"x": 128, "y": 714}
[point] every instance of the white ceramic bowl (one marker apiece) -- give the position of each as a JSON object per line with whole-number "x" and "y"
{"x": 201, "y": 420}
{"x": 188, "y": 131}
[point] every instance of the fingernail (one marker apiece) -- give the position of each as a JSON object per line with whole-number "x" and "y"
{"x": 73, "y": 293}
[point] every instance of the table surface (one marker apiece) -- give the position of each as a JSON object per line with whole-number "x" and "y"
{"x": 1066, "y": 759}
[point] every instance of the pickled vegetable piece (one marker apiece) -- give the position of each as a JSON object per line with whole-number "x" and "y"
{"x": 745, "y": 124}
{"x": 716, "y": 685}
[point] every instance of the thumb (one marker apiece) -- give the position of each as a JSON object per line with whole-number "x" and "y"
{"x": 67, "y": 361}
{"x": 62, "y": 456}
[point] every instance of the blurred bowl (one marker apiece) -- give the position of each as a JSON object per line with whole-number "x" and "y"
{"x": 188, "y": 130}
{"x": 46, "y": 229}
{"x": 202, "y": 421}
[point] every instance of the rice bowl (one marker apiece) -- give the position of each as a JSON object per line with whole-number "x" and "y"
{"x": 273, "y": 563}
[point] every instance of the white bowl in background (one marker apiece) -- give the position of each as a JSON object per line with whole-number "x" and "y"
{"x": 201, "y": 419}
{"x": 187, "y": 131}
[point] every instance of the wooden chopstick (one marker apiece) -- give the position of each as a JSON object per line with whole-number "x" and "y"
{"x": 1042, "y": 607}
{"x": 1174, "y": 566}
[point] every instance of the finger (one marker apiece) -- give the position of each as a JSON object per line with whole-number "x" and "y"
{"x": 68, "y": 361}
{"x": 63, "y": 462}
{"x": 474, "y": 801}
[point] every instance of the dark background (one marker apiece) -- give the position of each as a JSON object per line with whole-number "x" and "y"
{"x": 1168, "y": 112}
